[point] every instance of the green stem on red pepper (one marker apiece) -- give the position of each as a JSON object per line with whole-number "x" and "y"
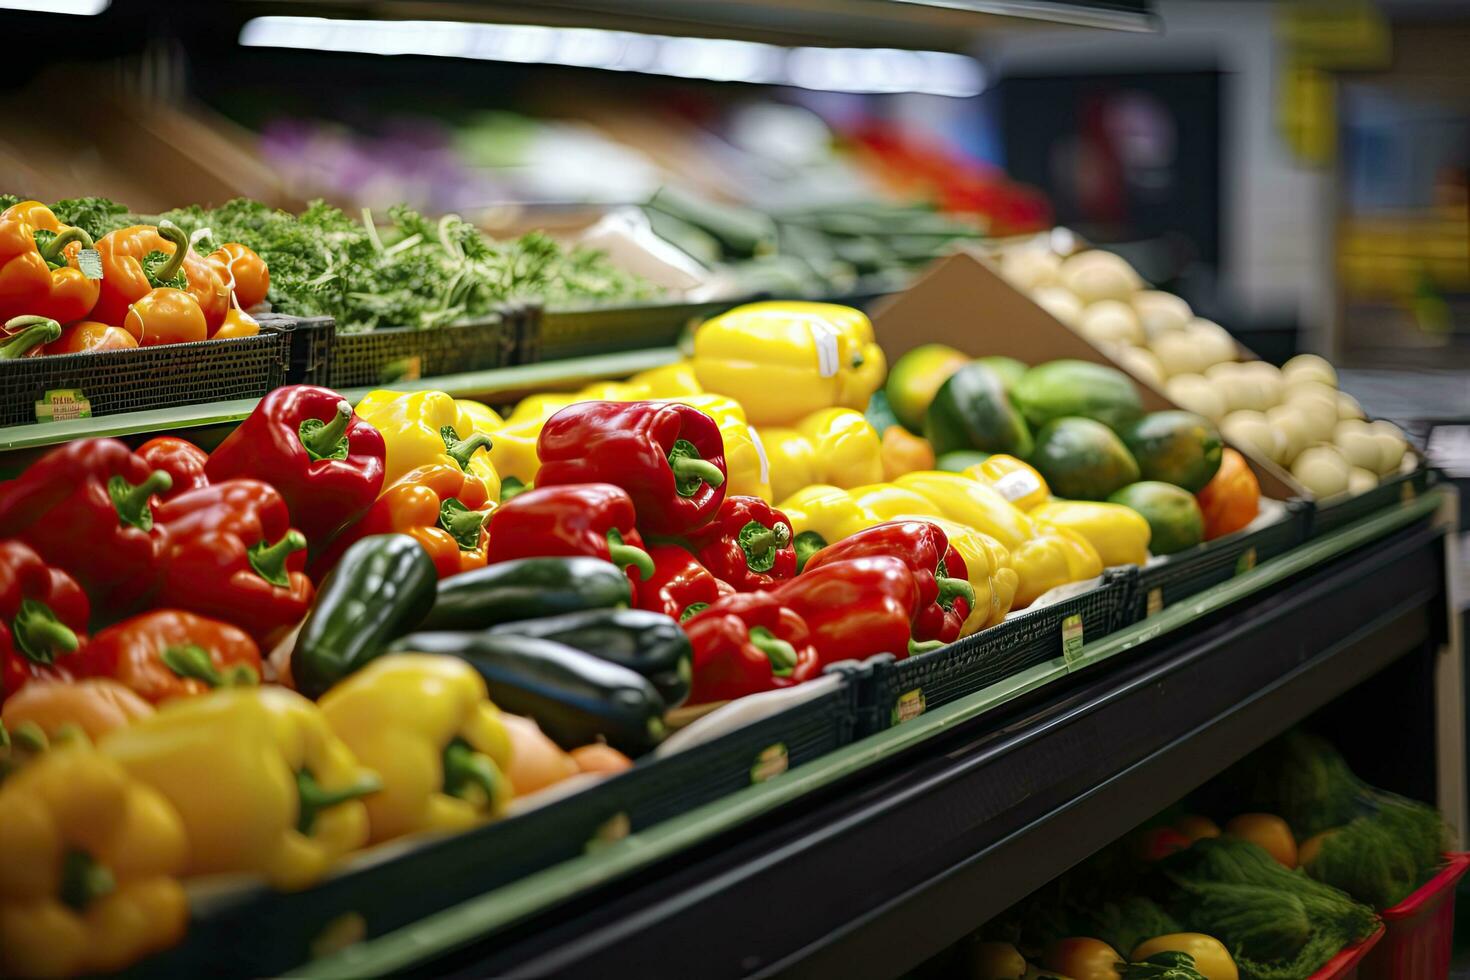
{"x": 39, "y": 635}
{"x": 464, "y": 767}
{"x": 269, "y": 560}
{"x": 461, "y": 450}
{"x": 26, "y": 334}
{"x": 782, "y": 654}
{"x": 133, "y": 502}
{"x": 690, "y": 470}
{"x": 692, "y": 610}
{"x": 623, "y": 555}
{"x": 193, "y": 661}
{"x": 312, "y": 799}
{"x": 326, "y": 440}
{"x": 916, "y": 648}
{"x": 807, "y": 543}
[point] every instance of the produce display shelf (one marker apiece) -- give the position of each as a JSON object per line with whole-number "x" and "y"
{"x": 885, "y": 851}
{"x": 494, "y": 384}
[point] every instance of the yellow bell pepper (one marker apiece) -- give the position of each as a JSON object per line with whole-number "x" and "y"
{"x": 426, "y": 724}
{"x": 972, "y": 503}
{"x": 88, "y": 859}
{"x": 987, "y": 566}
{"x": 1016, "y": 480}
{"x": 792, "y": 460}
{"x": 747, "y": 471}
{"x": 482, "y": 417}
{"x": 1083, "y": 561}
{"x": 259, "y": 779}
{"x": 426, "y": 427}
{"x": 820, "y": 515}
{"x": 614, "y": 391}
{"x": 847, "y": 449}
{"x": 671, "y": 381}
{"x": 1041, "y": 564}
{"x": 1119, "y": 534}
{"x": 888, "y": 502}
{"x": 904, "y": 452}
{"x": 785, "y": 360}
{"x": 541, "y": 407}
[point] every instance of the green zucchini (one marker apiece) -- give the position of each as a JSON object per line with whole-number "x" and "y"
{"x": 575, "y": 697}
{"x": 527, "y": 588}
{"x": 647, "y": 643}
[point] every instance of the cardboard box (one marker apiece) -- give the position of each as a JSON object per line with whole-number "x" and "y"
{"x": 964, "y": 302}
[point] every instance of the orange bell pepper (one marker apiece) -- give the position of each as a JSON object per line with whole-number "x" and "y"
{"x": 237, "y": 323}
{"x": 90, "y": 335}
{"x": 1231, "y": 499}
{"x": 165, "y": 316}
{"x": 42, "y": 278}
{"x": 903, "y": 452}
{"x": 140, "y": 258}
{"x": 440, "y": 506}
{"x": 243, "y": 271}
{"x": 97, "y": 705}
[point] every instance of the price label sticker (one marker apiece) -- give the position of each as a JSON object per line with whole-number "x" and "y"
{"x": 1072, "y": 638}
{"x": 1406, "y": 491}
{"x": 61, "y": 404}
{"x": 1246, "y": 561}
{"x": 89, "y": 260}
{"x": 908, "y": 707}
{"x": 1017, "y": 484}
{"x": 1155, "y": 601}
{"x": 773, "y": 761}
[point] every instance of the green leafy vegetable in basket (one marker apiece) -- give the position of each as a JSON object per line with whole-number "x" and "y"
{"x": 1382, "y": 856}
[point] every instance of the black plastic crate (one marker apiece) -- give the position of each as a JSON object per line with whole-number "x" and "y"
{"x": 1403, "y": 487}
{"x": 388, "y": 354}
{"x": 899, "y": 690}
{"x": 146, "y": 377}
{"x": 259, "y": 932}
{"x": 604, "y": 330}
{"x": 310, "y": 341}
{"x": 1191, "y": 572}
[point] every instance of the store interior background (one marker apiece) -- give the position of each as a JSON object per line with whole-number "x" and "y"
{"x": 1300, "y": 172}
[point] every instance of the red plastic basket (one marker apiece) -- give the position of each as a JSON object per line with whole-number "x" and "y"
{"x": 1420, "y": 930}
{"x": 1348, "y": 961}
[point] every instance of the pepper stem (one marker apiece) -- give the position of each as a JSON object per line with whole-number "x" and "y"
{"x": 461, "y": 523}
{"x": 951, "y": 589}
{"x": 464, "y": 767}
{"x": 83, "y": 880}
{"x": 269, "y": 560}
{"x": 781, "y": 654}
{"x": 39, "y": 635}
{"x": 692, "y": 610}
{"x": 27, "y": 333}
{"x": 192, "y": 661}
{"x": 51, "y": 252}
{"x": 460, "y": 450}
{"x": 512, "y": 487}
{"x": 916, "y": 648}
{"x": 132, "y": 502}
{"x": 690, "y": 470}
{"x": 807, "y": 543}
{"x": 623, "y": 555}
{"x": 313, "y": 799}
{"x": 327, "y": 439}
{"x": 31, "y": 737}
{"x": 171, "y": 232}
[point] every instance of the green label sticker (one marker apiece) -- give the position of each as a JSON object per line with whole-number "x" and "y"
{"x": 1072, "y": 638}
{"x": 1155, "y": 601}
{"x": 1246, "y": 561}
{"x": 771, "y": 762}
{"x": 613, "y": 829}
{"x": 60, "y": 404}
{"x": 1406, "y": 491}
{"x": 89, "y": 260}
{"x": 908, "y": 707}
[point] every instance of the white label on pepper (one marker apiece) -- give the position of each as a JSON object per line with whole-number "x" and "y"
{"x": 1017, "y": 484}
{"x": 825, "y": 337}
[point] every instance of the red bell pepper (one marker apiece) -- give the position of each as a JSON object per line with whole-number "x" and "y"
{"x": 680, "y": 586}
{"x": 746, "y": 643}
{"x": 169, "y": 653}
{"x": 306, "y": 442}
{"x": 749, "y": 544}
{"x": 44, "y": 615}
{"x": 957, "y": 603}
{"x": 669, "y": 457}
{"x": 183, "y": 461}
{"x": 233, "y": 555}
{"x": 924, "y": 548}
{"x": 87, "y": 508}
{"x": 856, "y": 608}
{"x": 594, "y": 519}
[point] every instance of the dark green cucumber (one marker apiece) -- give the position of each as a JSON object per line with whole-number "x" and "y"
{"x": 575, "y": 697}
{"x": 647, "y": 643}
{"x": 527, "y": 588}
{"x": 382, "y": 587}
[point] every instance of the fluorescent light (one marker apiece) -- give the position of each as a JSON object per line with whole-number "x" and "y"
{"x": 79, "y": 8}
{"x": 864, "y": 70}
